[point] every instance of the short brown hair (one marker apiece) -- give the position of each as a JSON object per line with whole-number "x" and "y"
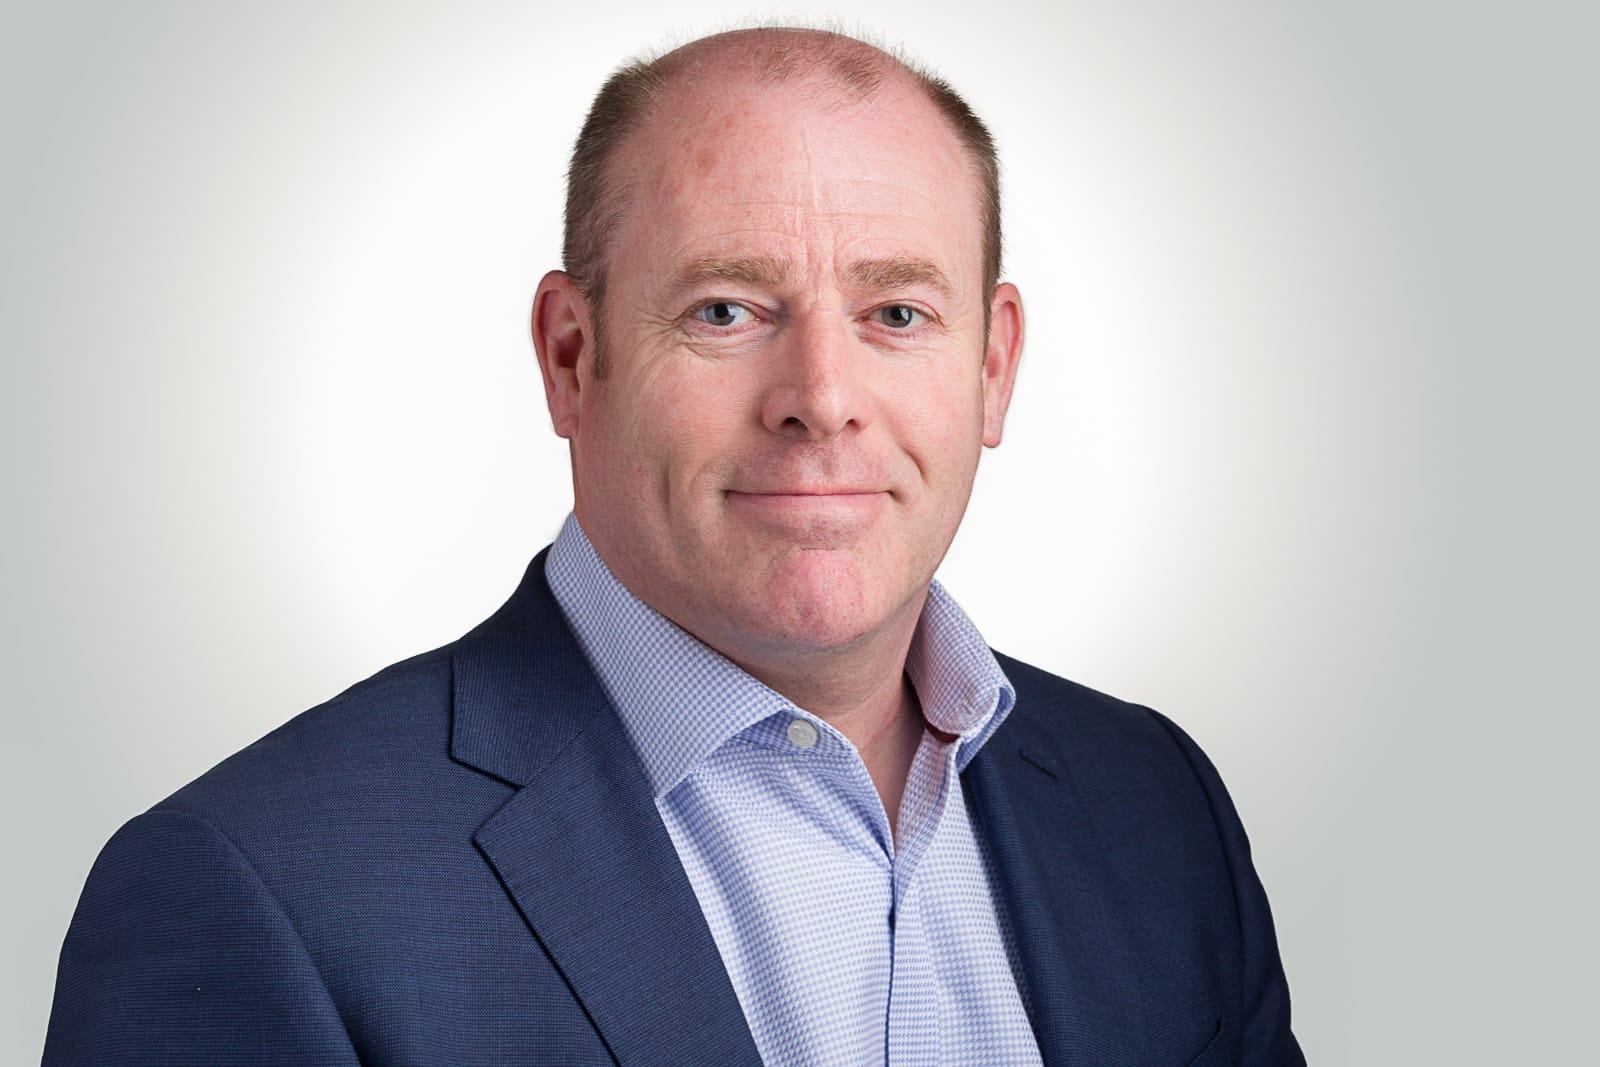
{"x": 595, "y": 194}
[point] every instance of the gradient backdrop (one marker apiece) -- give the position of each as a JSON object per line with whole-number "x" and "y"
{"x": 1302, "y": 451}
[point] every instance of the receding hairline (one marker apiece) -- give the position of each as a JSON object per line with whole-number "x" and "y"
{"x": 852, "y": 69}
{"x": 763, "y": 54}
{"x": 781, "y": 54}
{"x": 600, "y": 186}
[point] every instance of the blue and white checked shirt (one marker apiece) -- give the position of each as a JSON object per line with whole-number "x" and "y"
{"x": 843, "y": 945}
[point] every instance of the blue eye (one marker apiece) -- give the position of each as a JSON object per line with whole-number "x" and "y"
{"x": 722, "y": 313}
{"x": 899, "y": 316}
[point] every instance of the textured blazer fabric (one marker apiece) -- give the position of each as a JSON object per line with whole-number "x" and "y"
{"x": 459, "y": 861}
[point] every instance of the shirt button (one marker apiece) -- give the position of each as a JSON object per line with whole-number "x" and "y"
{"x": 801, "y": 733}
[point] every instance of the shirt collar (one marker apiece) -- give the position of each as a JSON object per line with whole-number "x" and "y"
{"x": 680, "y": 700}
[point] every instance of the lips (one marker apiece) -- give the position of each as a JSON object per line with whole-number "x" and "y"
{"x": 830, "y": 491}
{"x": 810, "y": 504}
{"x": 807, "y": 499}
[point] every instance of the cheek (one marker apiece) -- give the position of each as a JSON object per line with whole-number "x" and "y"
{"x": 709, "y": 403}
{"x": 669, "y": 433}
{"x": 611, "y": 453}
{"x": 941, "y": 427}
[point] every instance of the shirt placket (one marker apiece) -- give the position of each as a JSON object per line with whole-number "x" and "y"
{"x": 913, "y": 1026}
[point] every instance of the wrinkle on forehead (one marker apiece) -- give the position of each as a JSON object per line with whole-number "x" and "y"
{"x": 737, "y": 169}
{"x": 811, "y": 174}
{"x": 776, "y": 146}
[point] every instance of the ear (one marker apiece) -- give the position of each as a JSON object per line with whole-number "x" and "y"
{"x": 562, "y": 337}
{"x": 1000, "y": 358}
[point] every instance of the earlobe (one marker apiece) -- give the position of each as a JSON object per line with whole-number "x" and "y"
{"x": 1002, "y": 354}
{"x": 561, "y": 337}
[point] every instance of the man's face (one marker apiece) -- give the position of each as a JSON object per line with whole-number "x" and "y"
{"x": 797, "y": 385}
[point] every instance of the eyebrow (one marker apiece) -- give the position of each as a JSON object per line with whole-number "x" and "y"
{"x": 770, "y": 272}
{"x": 897, "y": 272}
{"x": 765, "y": 272}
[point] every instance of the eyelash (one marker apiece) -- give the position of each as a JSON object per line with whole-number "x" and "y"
{"x": 914, "y": 325}
{"x": 699, "y": 310}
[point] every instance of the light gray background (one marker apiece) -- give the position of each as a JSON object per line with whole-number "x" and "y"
{"x": 1302, "y": 451}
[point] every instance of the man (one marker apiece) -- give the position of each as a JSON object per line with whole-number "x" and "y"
{"x": 728, "y": 780}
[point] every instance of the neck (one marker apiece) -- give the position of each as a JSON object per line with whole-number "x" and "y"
{"x": 865, "y": 695}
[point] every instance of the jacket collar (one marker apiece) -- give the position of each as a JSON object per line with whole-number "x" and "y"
{"x": 1056, "y": 889}
{"x": 581, "y": 848}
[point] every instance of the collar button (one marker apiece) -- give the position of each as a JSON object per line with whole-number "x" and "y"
{"x": 801, "y": 733}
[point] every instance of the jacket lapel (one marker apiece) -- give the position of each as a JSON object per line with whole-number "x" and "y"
{"x": 581, "y": 848}
{"x": 1053, "y": 883}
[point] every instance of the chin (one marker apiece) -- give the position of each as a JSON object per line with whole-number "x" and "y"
{"x": 815, "y": 601}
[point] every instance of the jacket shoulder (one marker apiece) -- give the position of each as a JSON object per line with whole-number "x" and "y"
{"x": 367, "y": 772}
{"x": 376, "y": 726}
{"x": 1170, "y": 841}
{"x": 1099, "y": 734}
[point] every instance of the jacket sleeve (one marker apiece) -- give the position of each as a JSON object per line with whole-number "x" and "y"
{"x": 178, "y": 954}
{"x": 1265, "y": 1039}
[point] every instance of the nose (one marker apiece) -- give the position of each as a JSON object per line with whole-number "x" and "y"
{"x": 814, "y": 390}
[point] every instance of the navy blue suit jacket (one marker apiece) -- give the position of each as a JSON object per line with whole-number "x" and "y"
{"x": 459, "y": 861}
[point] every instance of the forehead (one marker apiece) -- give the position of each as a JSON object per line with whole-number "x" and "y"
{"x": 803, "y": 168}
